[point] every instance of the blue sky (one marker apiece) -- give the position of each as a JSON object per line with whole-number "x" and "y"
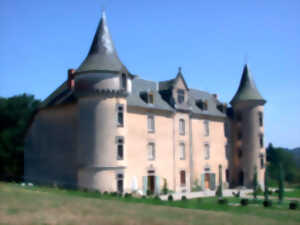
{"x": 210, "y": 40}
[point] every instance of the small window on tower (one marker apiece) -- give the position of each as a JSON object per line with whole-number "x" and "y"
{"x": 262, "y": 161}
{"x": 120, "y": 115}
{"x": 120, "y": 148}
{"x": 206, "y": 127}
{"x": 261, "y": 140}
{"x": 260, "y": 118}
{"x": 124, "y": 81}
{"x": 180, "y": 96}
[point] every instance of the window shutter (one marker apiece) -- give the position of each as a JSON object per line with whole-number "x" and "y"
{"x": 202, "y": 177}
{"x": 157, "y": 185}
{"x": 212, "y": 181}
{"x": 145, "y": 182}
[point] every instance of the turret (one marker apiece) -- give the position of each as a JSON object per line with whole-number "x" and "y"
{"x": 247, "y": 133}
{"x": 102, "y": 83}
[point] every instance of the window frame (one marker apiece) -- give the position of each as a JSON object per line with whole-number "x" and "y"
{"x": 181, "y": 126}
{"x": 120, "y": 112}
{"x": 261, "y": 140}
{"x": 260, "y": 119}
{"x": 182, "y": 152}
{"x": 206, "y": 151}
{"x": 206, "y": 127}
{"x": 151, "y": 151}
{"x": 180, "y": 96}
{"x": 120, "y": 143}
{"x": 150, "y": 123}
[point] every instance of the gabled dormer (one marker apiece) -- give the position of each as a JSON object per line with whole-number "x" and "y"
{"x": 175, "y": 91}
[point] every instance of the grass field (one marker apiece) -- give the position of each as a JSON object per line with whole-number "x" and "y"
{"x": 45, "y": 206}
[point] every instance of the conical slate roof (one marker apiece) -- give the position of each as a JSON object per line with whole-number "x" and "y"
{"x": 247, "y": 89}
{"x": 102, "y": 55}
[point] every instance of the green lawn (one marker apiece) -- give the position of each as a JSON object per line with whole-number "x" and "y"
{"x": 294, "y": 193}
{"x": 42, "y": 205}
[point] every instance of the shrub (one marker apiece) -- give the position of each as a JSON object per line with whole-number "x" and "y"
{"x": 170, "y": 198}
{"x": 148, "y": 192}
{"x": 127, "y": 195}
{"x": 105, "y": 193}
{"x": 143, "y": 197}
{"x": 267, "y": 203}
{"x": 165, "y": 187}
{"x": 237, "y": 194}
{"x": 223, "y": 201}
{"x": 294, "y": 205}
{"x": 157, "y": 198}
{"x": 183, "y": 198}
{"x": 114, "y": 194}
{"x": 244, "y": 202}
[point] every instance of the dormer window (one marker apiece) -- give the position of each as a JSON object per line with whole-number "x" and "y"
{"x": 123, "y": 81}
{"x": 203, "y": 105}
{"x": 180, "y": 96}
{"x": 150, "y": 98}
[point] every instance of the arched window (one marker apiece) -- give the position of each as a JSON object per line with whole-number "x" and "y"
{"x": 124, "y": 81}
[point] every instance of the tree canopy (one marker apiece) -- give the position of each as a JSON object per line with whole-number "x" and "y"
{"x": 15, "y": 114}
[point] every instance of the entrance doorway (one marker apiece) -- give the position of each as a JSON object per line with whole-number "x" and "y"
{"x": 207, "y": 181}
{"x": 241, "y": 178}
{"x": 151, "y": 184}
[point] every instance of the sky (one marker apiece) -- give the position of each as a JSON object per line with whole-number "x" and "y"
{"x": 210, "y": 40}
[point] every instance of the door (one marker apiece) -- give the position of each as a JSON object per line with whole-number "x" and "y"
{"x": 120, "y": 186}
{"x": 207, "y": 181}
{"x": 151, "y": 184}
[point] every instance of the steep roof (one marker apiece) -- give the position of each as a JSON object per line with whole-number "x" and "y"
{"x": 247, "y": 89}
{"x": 102, "y": 55}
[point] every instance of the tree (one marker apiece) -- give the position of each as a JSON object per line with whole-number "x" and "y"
{"x": 15, "y": 114}
{"x": 255, "y": 184}
{"x": 220, "y": 187}
{"x": 281, "y": 184}
{"x": 266, "y": 193}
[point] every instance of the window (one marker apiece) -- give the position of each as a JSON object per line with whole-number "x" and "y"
{"x": 203, "y": 105}
{"x": 151, "y": 127}
{"x": 240, "y": 135}
{"x": 151, "y": 151}
{"x": 262, "y": 161}
{"x": 226, "y": 129}
{"x": 120, "y": 148}
{"x": 181, "y": 151}
{"x": 260, "y": 118}
{"x": 180, "y": 96}
{"x": 206, "y": 127}
{"x": 227, "y": 175}
{"x": 182, "y": 178}
{"x": 261, "y": 140}
{"x": 240, "y": 153}
{"x": 206, "y": 151}
{"x": 150, "y": 98}
{"x": 181, "y": 127}
{"x": 239, "y": 117}
{"x": 124, "y": 81}
{"x": 120, "y": 115}
{"x": 227, "y": 151}
{"x": 120, "y": 183}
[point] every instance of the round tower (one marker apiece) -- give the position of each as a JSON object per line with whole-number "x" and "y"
{"x": 102, "y": 83}
{"x": 247, "y": 133}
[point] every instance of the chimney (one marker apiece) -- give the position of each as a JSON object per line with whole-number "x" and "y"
{"x": 215, "y": 96}
{"x": 71, "y": 83}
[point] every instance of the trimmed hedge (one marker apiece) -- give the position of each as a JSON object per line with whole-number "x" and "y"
{"x": 183, "y": 198}
{"x": 170, "y": 198}
{"x": 244, "y": 202}
{"x": 267, "y": 203}
{"x": 223, "y": 201}
{"x": 294, "y": 205}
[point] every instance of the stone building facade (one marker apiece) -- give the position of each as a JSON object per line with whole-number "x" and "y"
{"x": 107, "y": 129}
